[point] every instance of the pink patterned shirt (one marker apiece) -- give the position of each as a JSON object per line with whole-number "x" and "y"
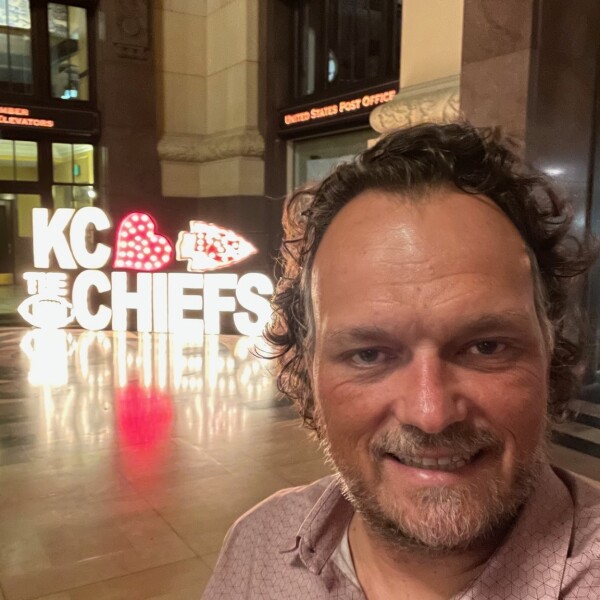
{"x": 282, "y": 549}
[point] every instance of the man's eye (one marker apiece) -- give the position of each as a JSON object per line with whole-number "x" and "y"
{"x": 487, "y": 348}
{"x": 368, "y": 356}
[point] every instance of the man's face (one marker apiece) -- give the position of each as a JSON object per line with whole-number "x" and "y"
{"x": 429, "y": 370}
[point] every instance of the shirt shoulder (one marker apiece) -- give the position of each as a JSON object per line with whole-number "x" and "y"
{"x": 582, "y": 572}
{"x": 257, "y": 558}
{"x": 284, "y": 511}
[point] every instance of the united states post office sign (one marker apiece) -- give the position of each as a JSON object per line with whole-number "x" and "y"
{"x": 162, "y": 301}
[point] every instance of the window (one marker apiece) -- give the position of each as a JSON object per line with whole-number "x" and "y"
{"x": 73, "y": 175}
{"x": 18, "y": 160}
{"x": 341, "y": 44}
{"x": 69, "y": 74}
{"x": 315, "y": 158}
{"x": 15, "y": 47}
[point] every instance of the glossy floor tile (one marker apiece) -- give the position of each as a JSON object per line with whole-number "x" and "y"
{"x": 125, "y": 458}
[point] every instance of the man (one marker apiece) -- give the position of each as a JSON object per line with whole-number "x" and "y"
{"x": 424, "y": 330}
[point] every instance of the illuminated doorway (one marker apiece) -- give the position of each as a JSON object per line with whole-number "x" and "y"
{"x": 36, "y": 173}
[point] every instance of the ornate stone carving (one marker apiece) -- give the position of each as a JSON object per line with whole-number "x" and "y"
{"x": 191, "y": 148}
{"x": 132, "y": 37}
{"x": 437, "y": 101}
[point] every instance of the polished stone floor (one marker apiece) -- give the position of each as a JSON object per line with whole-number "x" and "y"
{"x": 124, "y": 458}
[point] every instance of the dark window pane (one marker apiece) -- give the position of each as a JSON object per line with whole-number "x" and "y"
{"x": 83, "y": 195}
{"x": 73, "y": 196}
{"x": 316, "y": 157}
{"x": 375, "y": 46}
{"x": 345, "y": 45}
{"x": 15, "y": 46}
{"x": 62, "y": 196}
{"x": 67, "y": 28}
{"x": 25, "y": 205}
{"x": 26, "y": 161}
{"x": 342, "y": 44}
{"x": 308, "y": 48}
{"x": 7, "y": 160}
{"x": 83, "y": 166}
{"x": 62, "y": 163}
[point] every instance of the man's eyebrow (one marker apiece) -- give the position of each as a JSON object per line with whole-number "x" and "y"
{"x": 510, "y": 319}
{"x": 359, "y": 334}
{"x": 483, "y": 323}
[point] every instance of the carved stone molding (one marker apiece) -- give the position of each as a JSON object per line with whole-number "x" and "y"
{"x": 199, "y": 149}
{"x": 132, "y": 37}
{"x": 435, "y": 101}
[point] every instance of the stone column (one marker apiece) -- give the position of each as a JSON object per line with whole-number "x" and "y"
{"x": 129, "y": 167}
{"x": 430, "y": 64}
{"x": 210, "y": 144}
{"x": 496, "y": 56}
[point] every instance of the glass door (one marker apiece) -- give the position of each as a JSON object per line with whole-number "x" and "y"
{"x": 16, "y": 251}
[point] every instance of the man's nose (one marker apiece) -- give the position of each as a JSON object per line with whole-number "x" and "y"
{"x": 428, "y": 394}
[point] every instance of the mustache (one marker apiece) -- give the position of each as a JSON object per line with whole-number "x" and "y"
{"x": 409, "y": 440}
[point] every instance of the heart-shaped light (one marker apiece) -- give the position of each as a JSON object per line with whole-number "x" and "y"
{"x": 208, "y": 247}
{"x": 139, "y": 247}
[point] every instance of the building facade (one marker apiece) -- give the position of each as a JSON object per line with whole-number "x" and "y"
{"x": 216, "y": 109}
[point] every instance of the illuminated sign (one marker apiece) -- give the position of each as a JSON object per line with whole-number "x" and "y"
{"x": 139, "y": 247}
{"x": 342, "y": 108}
{"x": 162, "y": 302}
{"x": 15, "y": 115}
{"x": 58, "y": 119}
{"x": 208, "y": 247}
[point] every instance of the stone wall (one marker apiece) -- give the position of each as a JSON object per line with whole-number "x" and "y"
{"x": 496, "y": 56}
{"x": 207, "y": 68}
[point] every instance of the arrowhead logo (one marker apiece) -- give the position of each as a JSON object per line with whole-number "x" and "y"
{"x": 208, "y": 247}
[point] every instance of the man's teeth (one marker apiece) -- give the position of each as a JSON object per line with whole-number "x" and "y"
{"x": 446, "y": 463}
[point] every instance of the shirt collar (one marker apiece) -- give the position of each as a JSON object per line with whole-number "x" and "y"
{"x": 534, "y": 554}
{"x": 322, "y": 529}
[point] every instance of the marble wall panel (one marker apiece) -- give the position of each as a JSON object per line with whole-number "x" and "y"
{"x": 561, "y": 110}
{"x": 184, "y": 101}
{"x": 180, "y": 179}
{"x": 494, "y": 92}
{"x": 431, "y": 40}
{"x": 232, "y": 98}
{"x": 213, "y": 5}
{"x": 496, "y": 57}
{"x": 493, "y": 28}
{"x": 183, "y": 43}
{"x": 232, "y": 176}
{"x": 232, "y": 33}
{"x": 188, "y": 7}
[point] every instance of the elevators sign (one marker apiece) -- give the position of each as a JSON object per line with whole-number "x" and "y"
{"x": 82, "y": 292}
{"x": 50, "y": 119}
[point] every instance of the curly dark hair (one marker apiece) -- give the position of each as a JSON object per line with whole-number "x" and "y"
{"x": 412, "y": 161}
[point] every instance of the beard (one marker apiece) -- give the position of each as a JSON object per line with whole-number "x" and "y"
{"x": 438, "y": 520}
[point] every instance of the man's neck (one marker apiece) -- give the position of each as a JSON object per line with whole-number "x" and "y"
{"x": 385, "y": 572}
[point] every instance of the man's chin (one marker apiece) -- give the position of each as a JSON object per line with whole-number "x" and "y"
{"x": 442, "y": 520}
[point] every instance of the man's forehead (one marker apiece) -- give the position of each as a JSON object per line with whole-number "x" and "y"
{"x": 442, "y": 223}
{"x": 451, "y": 249}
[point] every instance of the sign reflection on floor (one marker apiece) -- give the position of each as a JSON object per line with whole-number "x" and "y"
{"x": 143, "y": 388}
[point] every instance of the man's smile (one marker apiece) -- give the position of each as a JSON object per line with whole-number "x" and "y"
{"x": 441, "y": 463}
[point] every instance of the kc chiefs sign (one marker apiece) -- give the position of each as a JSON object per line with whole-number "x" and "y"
{"x": 161, "y": 302}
